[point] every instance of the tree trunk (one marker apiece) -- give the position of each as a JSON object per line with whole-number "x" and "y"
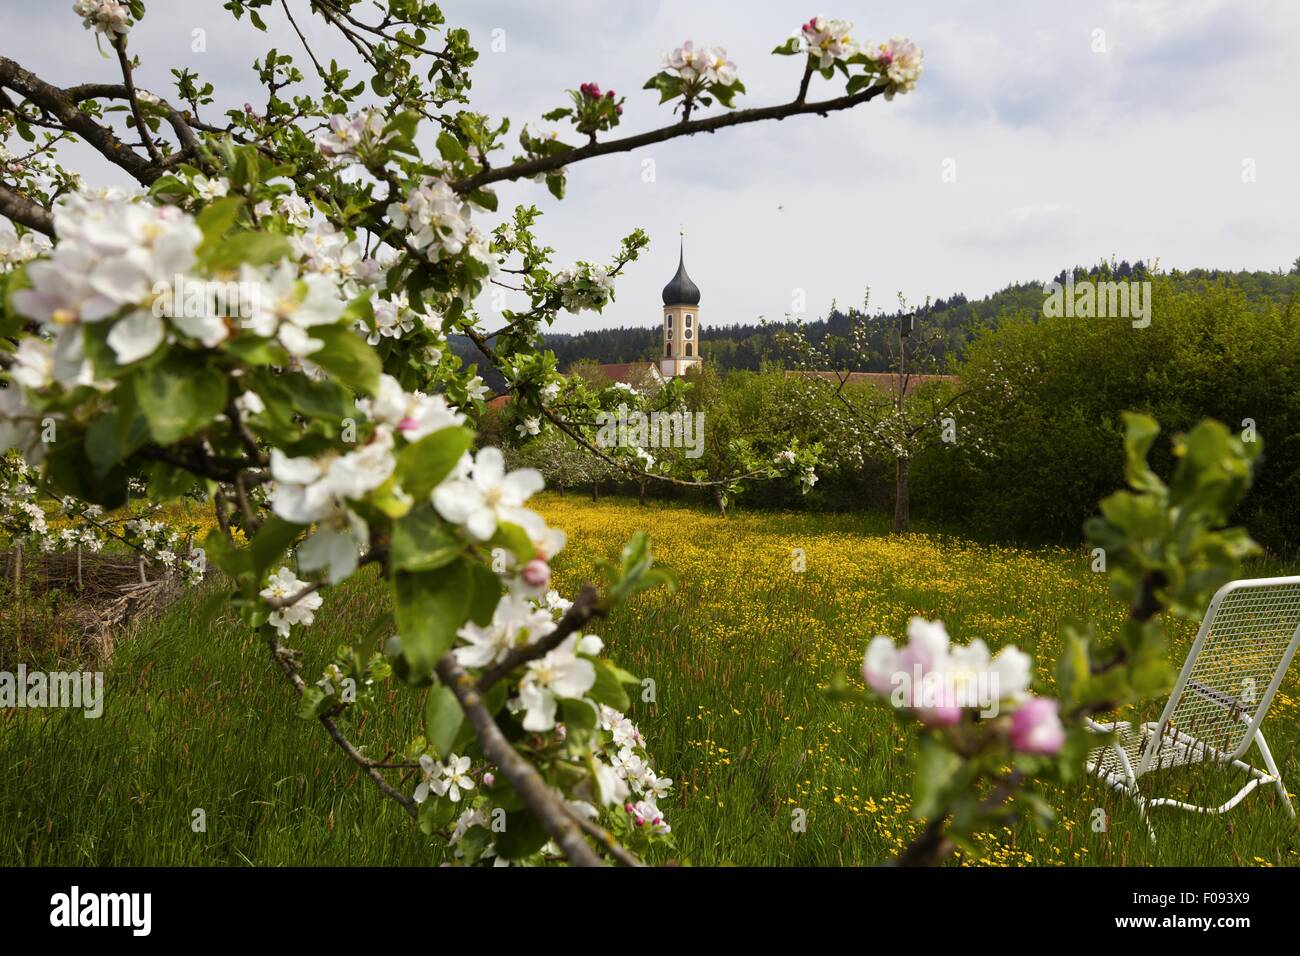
{"x": 595, "y": 490}
{"x": 641, "y": 500}
{"x": 18, "y": 597}
{"x": 719, "y": 501}
{"x": 902, "y": 505}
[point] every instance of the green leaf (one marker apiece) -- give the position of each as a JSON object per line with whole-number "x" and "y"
{"x": 179, "y": 396}
{"x": 116, "y": 435}
{"x": 1140, "y": 433}
{"x": 215, "y": 220}
{"x": 485, "y": 198}
{"x": 69, "y": 470}
{"x": 579, "y": 716}
{"x": 936, "y": 766}
{"x": 555, "y": 182}
{"x": 313, "y": 703}
{"x": 523, "y": 836}
{"x": 608, "y": 689}
{"x": 486, "y": 594}
{"x": 430, "y": 606}
{"x": 423, "y": 465}
{"x": 436, "y": 814}
{"x": 422, "y": 541}
{"x": 272, "y": 538}
{"x": 472, "y": 844}
{"x": 348, "y": 356}
{"x": 167, "y": 483}
{"x": 514, "y": 539}
{"x": 249, "y": 248}
{"x": 450, "y": 148}
{"x": 443, "y": 718}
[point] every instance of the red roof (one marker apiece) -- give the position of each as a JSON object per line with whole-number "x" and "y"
{"x": 626, "y": 371}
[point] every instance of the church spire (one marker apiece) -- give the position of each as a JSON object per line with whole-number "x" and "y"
{"x": 681, "y": 290}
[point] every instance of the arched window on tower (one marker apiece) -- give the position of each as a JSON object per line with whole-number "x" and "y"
{"x": 688, "y": 320}
{"x": 689, "y": 352}
{"x": 668, "y": 324}
{"x": 668, "y": 350}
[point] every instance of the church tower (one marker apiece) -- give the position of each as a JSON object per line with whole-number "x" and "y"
{"x": 681, "y": 341}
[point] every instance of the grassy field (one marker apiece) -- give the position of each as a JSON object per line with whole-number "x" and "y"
{"x": 195, "y": 717}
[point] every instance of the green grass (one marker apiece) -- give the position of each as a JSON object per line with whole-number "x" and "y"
{"x": 196, "y": 717}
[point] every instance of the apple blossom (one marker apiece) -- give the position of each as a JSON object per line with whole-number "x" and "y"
{"x": 1036, "y": 727}
{"x": 515, "y": 623}
{"x": 645, "y": 813}
{"x": 718, "y": 68}
{"x": 561, "y": 673}
{"x": 210, "y": 189}
{"x": 284, "y": 585}
{"x": 688, "y": 62}
{"x": 937, "y": 681}
{"x": 430, "y": 772}
{"x": 414, "y": 415}
{"x": 476, "y": 389}
{"x": 901, "y": 60}
{"x": 108, "y": 17}
{"x": 348, "y": 136}
{"x": 827, "y": 40}
{"x": 455, "y": 779}
{"x": 489, "y": 496}
{"x": 536, "y": 574}
{"x": 307, "y": 490}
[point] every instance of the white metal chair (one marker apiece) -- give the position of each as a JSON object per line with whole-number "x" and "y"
{"x": 1246, "y": 641}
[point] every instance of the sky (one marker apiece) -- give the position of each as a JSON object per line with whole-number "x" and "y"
{"x": 1040, "y": 135}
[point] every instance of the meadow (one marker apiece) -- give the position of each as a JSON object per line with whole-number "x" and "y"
{"x": 770, "y": 607}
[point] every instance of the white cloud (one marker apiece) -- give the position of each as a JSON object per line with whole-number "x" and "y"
{"x": 1063, "y": 155}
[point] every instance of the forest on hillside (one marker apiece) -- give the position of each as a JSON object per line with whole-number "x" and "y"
{"x": 747, "y": 346}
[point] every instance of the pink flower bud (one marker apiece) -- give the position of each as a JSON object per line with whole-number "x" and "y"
{"x": 629, "y": 808}
{"x": 1036, "y": 727}
{"x": 489, "y": 779}
{"x": 536, "y": 573}
{"x": 944, "y": 715}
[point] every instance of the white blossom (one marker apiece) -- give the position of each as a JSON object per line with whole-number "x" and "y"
{"x": 489, "y": 496}
{"x": 560, "y": 674}
{"x": 284, "y": 585}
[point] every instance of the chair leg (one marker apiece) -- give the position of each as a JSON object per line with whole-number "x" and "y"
{"x": 1195, "y": 808}
{"x": 1142, "y": 812}
{"x": 1128, "y": 786}
{"x": 1271, "y": 766}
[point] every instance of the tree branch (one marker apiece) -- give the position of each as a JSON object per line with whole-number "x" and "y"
{"x": 19, "y": 208}
{"x": 551, "y": 811}
{"x": 284, "y": 657}
{"x": 63, "y": 107}
{"x": 134, "y": 100}
{"x": 585, "y": 607}
{"x": 544, "y": 164}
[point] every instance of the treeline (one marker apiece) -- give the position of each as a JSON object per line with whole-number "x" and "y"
{"x": 959, "y": 320}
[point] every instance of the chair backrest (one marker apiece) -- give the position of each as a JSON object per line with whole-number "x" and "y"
{"x": 1247, "y": 639}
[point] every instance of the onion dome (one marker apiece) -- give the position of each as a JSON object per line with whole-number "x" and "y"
{"x": 681, "y": 290}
